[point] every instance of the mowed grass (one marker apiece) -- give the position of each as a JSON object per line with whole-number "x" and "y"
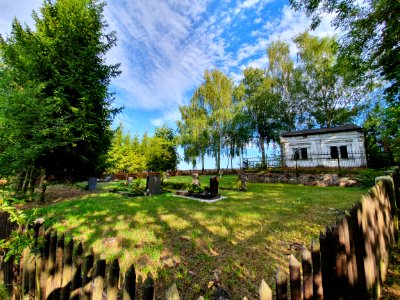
{"x": 243, "y": 238}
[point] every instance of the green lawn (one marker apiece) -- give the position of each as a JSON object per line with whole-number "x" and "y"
{"x": 243, "y": 238}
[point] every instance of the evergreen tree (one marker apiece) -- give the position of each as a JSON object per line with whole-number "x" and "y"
{"x": 61, "y": 65}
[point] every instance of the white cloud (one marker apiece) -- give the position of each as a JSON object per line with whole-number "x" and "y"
{"x": 169, "y": 118}
{"x": 284, "y": 27}
{"x": 248, "y": 3}
{"x": 257, "y": 20}
{"x": 164, "y": 48}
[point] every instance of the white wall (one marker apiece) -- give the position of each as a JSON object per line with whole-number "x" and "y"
{"x": 318, "y": 144}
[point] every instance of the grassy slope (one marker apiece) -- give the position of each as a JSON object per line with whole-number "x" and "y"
{"x": 243, "y": 238}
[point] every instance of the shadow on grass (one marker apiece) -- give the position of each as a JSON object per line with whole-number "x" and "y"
{"x": 242, "y": 239}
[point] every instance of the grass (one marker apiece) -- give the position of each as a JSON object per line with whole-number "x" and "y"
{"x": 242, "y": 238}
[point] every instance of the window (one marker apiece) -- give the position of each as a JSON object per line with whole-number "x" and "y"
{"x": 343, "y": 152}
{"x": 296, "y": 154}
{"x": 334, "y": 152}
{"x": 300, "y": 153}
{"x": 303, "y": 153}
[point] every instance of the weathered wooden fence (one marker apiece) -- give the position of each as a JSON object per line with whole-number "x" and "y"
{"x": 349, "y": 262}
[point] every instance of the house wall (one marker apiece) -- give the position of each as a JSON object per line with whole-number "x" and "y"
{"x": 319, "y": 149}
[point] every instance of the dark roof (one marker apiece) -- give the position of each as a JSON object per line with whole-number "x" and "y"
{"x": 349, "y": 127}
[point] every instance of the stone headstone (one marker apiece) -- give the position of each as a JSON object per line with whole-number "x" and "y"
{"x": 243, "y": 179}
{"x": 195, "y": 179}
{"x": 153, "y": 184}
{"x": 214, "y": 185}
{"x": 92, "y": 183}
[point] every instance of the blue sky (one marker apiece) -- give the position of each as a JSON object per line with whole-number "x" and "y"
{"x": 164, "y": 46}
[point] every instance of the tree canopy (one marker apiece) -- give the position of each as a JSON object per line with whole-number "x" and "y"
{"x": 55, "y": 107}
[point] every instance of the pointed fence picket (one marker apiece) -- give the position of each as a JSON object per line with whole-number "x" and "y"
{"x": 349, "y": 262}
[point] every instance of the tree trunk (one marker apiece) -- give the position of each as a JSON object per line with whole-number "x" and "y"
{"x": 262, "y": 148}
{"x": 42, "y": 187}
{"x": 25, "y": 182}
{"x": 202, "y": 163}
{"x": 31, "y": 181}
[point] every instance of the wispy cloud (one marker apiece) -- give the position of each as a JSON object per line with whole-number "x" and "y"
{"x": 164, "y": 48}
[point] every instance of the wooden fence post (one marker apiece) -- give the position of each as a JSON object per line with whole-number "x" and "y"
{"x": 67, "y": 270}
{"x": 99, "y": 279}
{"x": 58, "y": 269}
{"x": 43, "y": 266}
{"x": 359, "y": 250}
{"x": 87, "y": 274}
{"x": 148, "y": 288}
{"x": 281, "y": 285}
{"x": 172, "y": 293}
{"x": 341, "y": 288}
{"x": 39, "y": 259}
{"x": 307, "y": 274}
{"x": 113, "y": 280}
{"x": 77, "y": 271}
{"x": 295, "y": 278}
{"x": 50, "y": 268}
{"x": 130, "y": 284}
{"x": 318, "y": 293}
{"x": 264, "y": 291}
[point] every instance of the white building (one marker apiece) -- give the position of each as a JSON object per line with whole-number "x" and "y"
{"x": 328, "y": 147}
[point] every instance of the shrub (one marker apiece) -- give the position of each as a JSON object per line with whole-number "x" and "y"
{"x": 367, "y": 177}
{"x": 137, "y": 187}
{"x": 4, "y": 292}
{"x": 176, "y": 185}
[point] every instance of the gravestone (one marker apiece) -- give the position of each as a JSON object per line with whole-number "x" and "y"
{"x": 92, "y": 183}
{"x": 243, "y": 179}
{"x": 153, "y": 184}
{"x": 213, "y": 186}
{"x": 195, "y": 179}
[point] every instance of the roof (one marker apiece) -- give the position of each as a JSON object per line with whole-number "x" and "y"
{"x": 349, "y": 127}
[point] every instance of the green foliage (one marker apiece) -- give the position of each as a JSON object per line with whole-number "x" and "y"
{"x": 18, "y": 240}
{"x": 331, "y": 98}
{"x": 158, "y": 153}
{"x": 370, "y": 47}
{"x": 214, "y": 98}
{"x": 4, "y": 294}
{"x": 161, "y": 152}
{"x": 54, "y": 101}
{"x": 262, "y": 107}
{"x": 137, "y": 186}
{"x": 367, "y": 177}
{"x": 176, "y": 185}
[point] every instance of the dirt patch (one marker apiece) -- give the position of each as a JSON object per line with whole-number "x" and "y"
{"x": 59, "y": 193}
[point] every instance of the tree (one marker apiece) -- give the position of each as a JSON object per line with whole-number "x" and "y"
{"x": 332, "y": 98}
{"x": 161, "y": 153}
{"x": 238, "y": 131}
{"x": 286, "y": 81}
{"x": 263, "y": 108}
{"x": 193, "y": 134}
{"x": 61, "y": 65}
{"x": 125, "y": 154}
{"x": 214, "y": 96}
{"x": 371, "y": 31}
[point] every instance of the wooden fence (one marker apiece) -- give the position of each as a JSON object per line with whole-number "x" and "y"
{"x": 350, "y": 261}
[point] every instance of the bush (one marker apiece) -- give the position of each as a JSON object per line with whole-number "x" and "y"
{"x": 4, "y": 292}
{"x": 367, "y": 177}
{"x": 176, "y": 185}
{"x": 137, "y": 187}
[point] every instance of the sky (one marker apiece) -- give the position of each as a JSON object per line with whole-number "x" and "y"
{"x": 164, "y": 47}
